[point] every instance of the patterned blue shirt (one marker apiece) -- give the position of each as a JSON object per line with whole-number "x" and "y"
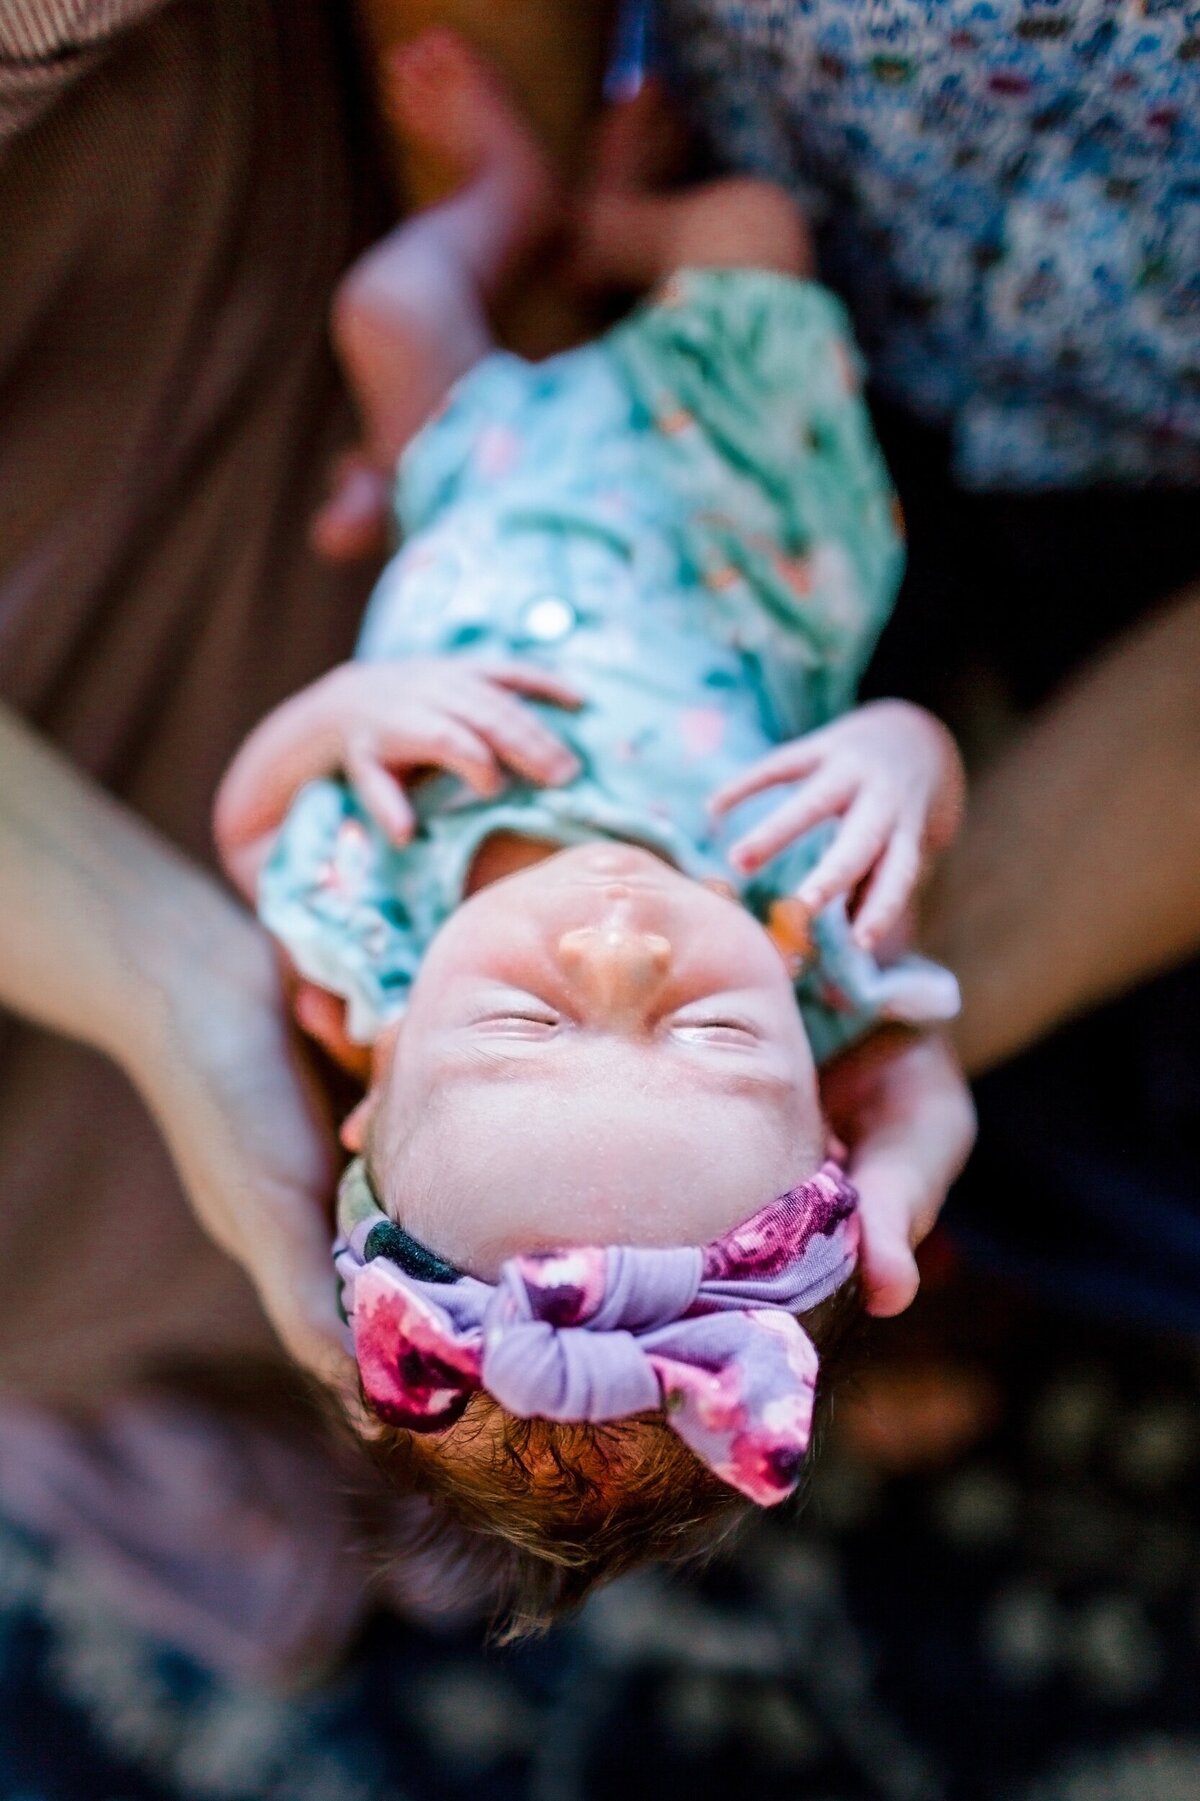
{"x": 1012, "y": 189}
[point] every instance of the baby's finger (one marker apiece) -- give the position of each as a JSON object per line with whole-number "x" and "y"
{"x": 521, "y": 740}
{"x": 284, "y": 751}
{"x": 380, "y": 793}
{"x": 890, "y": 890}
{"x": 444, "y": 741}
{"x": 825, "y": 793}
{"x": 854, "y": 851}
{"x": 538, "y": 683}
{"x": 243, "y": 864}
{"x": 789, "y": 763}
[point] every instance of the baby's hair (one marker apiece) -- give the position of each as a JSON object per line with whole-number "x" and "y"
{"x": 543, "y": 1513}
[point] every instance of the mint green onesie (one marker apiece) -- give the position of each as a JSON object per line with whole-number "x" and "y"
{"x": 691, "y": 521}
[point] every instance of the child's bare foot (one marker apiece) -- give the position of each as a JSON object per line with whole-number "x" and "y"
{"x": 352, "y": 523}
{"x": 635, "y": 228}
{"x": 639, "y": 151}
{"x": 636, "y": 240}
{"x": 917, "y": 1416}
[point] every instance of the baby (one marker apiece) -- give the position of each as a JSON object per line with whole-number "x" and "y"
{"x": 636, "y": 588}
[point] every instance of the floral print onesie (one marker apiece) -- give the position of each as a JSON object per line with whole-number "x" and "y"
{"x": 688, "y": 519}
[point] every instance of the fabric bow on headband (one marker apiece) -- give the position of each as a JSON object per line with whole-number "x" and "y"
{"x": 706, "y": 1334}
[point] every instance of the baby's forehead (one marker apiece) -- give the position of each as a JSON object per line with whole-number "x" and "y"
{"x": 494, "y": 1103}
{"x": 607, "y": 1097}
{"x": 497, "y": 1169}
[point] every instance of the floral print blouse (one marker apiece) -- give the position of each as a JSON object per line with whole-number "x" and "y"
{"x": 1012, "y": 194}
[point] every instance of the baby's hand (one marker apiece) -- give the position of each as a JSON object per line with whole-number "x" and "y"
{"x": 891, "y": 774}
{"x": 379, "y": 722}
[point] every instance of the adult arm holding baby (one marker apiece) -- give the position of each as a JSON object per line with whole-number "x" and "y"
{"x": 1077, "y": 874}
{"x": 110, "y": 935}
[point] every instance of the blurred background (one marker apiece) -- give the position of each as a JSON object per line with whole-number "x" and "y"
{"x": 1015, "y": 1616}
{"x": 992, "y": 1590}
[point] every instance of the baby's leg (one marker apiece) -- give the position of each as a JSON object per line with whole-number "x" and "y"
{"x": 636, "y": 234}
{"x": 410, "y": 317}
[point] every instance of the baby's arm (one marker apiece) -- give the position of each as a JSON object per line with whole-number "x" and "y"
{"x": 891, "y": 774}
{"x": 377, "y": 723}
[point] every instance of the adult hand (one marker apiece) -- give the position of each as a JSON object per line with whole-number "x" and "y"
{"x": 899, "y": 1103}
{"x": 223, "y": 1072}
{"x": 109, "y": 935}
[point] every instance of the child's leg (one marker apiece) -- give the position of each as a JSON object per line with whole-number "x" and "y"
{"x": 635, "y": 234}
{"x": 410, "y": 317}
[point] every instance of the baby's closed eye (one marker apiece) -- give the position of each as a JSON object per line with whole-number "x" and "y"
{"x": 703, "y": 1026}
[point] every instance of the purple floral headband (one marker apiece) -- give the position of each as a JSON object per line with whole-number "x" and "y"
{"x": 707, "y": 1334}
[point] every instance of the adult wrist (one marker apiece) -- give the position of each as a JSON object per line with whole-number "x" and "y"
{"x": 192, "y": 955}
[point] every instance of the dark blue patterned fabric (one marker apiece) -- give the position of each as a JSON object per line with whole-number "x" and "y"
{"x": 1012, "y": 189}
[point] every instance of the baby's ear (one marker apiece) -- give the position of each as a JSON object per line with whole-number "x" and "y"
{"x": 353, "y": 1132}
{"x": 383, "y": 1052}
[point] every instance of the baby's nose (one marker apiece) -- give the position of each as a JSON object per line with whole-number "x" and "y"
{"x": 617, "y": 968}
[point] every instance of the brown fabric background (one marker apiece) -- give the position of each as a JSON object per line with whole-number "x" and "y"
{"x": 177, "y": 198}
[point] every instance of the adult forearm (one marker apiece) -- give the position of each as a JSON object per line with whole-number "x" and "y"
{"x": 1077, "y": 873}
{"x": 95, "y": 910}
{"x": 111, "y": 936}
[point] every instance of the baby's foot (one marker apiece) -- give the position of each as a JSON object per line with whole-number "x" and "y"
{"x": 917, "y": 1416}
{"x": 447, "y": 100}
{"x": 641, "y": 144}
{"x": 640, "y": 150}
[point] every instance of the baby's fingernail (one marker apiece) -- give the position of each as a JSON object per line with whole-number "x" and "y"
{"x": 566, "y": 769}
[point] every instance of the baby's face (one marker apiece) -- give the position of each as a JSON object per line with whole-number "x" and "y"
{"x": 597, "y": 1050}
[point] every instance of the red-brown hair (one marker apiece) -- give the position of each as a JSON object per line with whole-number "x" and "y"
{"x": 543, "y": 1513}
